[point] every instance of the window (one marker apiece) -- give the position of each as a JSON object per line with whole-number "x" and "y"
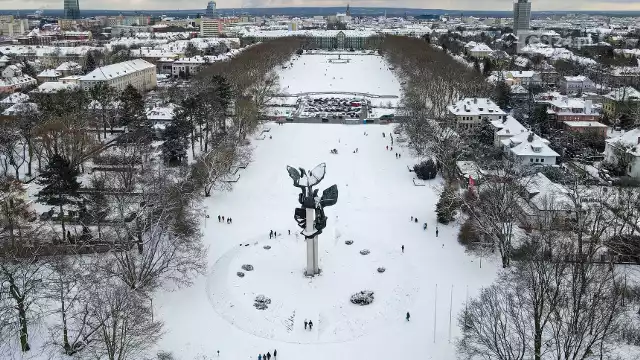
{"x": 541, "y": 160}
{"x": 530, "y": 160}
{"x": 537, "y": 160}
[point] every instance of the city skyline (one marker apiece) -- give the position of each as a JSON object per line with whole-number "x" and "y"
{"x": 462, "y": 5}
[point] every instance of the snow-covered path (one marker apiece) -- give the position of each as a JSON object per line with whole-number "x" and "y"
{"x": 377, "y": 199}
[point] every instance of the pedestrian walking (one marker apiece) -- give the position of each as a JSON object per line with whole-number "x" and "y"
{"x": 230, "y": 221}
{"x": 387, "y": 147}
{"x": 264, "y": 356}
{"x": 424, "y": 227}
{"x": 270, "y": 234}
{"x": 436, "y": 231}
{"x": 310, "y": 325}
{"x": 218, "y": 353}
{"x": 416, "y": 220}
{"x": 399, "y": 156}
{"x": 223, "y": 218}
{"x": 275, "y": 234}
{"x": 408, "y": 316}
{"x": 275, "y": 353}
{"x": 289, "y": 232}
{"x": 403, "y": 249}
{"x": 305, "y": 324}
{"x": 259, "y": 356}
{"x": 268, "y": 356}
{"x": 412, "y": 219}
{"x": 218, "y": 218}
{"x": 270, "y": 137}
{"x": 391, "y": 148}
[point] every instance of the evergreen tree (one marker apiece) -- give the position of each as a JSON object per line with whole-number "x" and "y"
{"x": 90, "y": 63}
{"x": 502, "y": 95}
{"x": 174, "y": 147}
{"x": 29, "y": 70}
{"x": 59, "y": 186}
{"x": 488, "y": 67}
{"x": 132, "y": 111}
{"x": 426, "y": 170}
{"x": 191, "y": 50}
{"x": 476, "y": 65}
{"x": 447, "y": 205}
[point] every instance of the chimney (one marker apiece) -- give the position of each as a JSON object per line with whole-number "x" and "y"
{"x": 530, "y": 137}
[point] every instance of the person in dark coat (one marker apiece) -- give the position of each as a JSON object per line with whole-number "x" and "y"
{"x": 408, "y": 316}
{"x": 259, "y": 356}
{"x": 424, "y": 227}
{"x": 275, "y": 353}
{"x": 412, "y": 218}
{"x": 222, "y": 218}
{"x": 268, "y": 356}
{"x": 436, "y": 231}
{"x": 289, "y": 232}
{"x": 305, "y": 324}
{"x": 218, "y": 218}
{"x": 403, "y": 249}
{"x": 310, "y": 325}
{"x": 416, "y": 220}
{"x": 270, "y": 234}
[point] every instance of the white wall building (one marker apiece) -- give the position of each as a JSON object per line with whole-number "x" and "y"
{"x": 139, "y": 73}
{"x": 210, "y": 27}
{"x": 575, "y": 84}
{"x": 506, "y": 128}
{"x": 629, "y": 143}
{"x": 471, "y": 112}
{"x": 529, "y": 149}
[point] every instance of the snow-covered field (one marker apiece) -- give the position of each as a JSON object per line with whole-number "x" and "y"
{"x": 377, "y": 198}
{"x": 320, "y": 73}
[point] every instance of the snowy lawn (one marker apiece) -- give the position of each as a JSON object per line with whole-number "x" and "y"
{"x": 376, "y": 200}
{"x": 320, "y": 73}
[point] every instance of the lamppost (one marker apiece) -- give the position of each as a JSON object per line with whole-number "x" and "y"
{"x": 310, "y": 217}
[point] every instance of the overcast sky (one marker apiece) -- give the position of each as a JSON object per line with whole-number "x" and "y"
{"x": 537, "y": 5}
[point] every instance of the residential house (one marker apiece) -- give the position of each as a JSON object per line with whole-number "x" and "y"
{"x": 11, "y": 71}
{"x": 48, "y": 75}
{"x": 480, "y": 51}
{"x": 525, "y": 78}
{"x": 587, "y": 127}
{"x": 505, "y": 128}
{"x": 528, "y": 148}
{"x": 545, "y": 203}
{"x": 470, "y": 112}
{"x": 139, "y": 73}
{"x": 628, "y": 145}
{"x": 620, "y": 101}
{"x": 571, "y": 109}
{"x": 69, "y": 68}
{"x": 575, "y": 84}
{"x": 186, "y": 67}
{"x": 9, "y": 85}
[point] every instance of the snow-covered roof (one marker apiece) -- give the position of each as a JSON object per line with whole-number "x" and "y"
{"x": 50, "y": 73}
{"x": 508, "y": 127}
{"x": 475, "y": 106}
{"x": 117, "y": 70}
{"x": 38, "y": 50}
{"x": 481, "y": 47}
{"x": 18, "y": 81}
{"x": 576, "y": 106}
{"x": 584, "y": 124}
{"x": 518, "y": 89}
{"x": 630, "y": 139}
{"x": 69, "y": 66}
{"x": 520, "y": 145}
{"x": 624, "y": 94}
{"x": 20, "y": 107}
{"x": 309, "y": 33}
{"x": 579, "y": 78}
{"x": 15, "y": 98}
{"x": 162, "y": 113}
{"x": 54, "y": 86}
{"x": 544, "y": 194}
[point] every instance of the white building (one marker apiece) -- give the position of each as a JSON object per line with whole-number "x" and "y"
{"x": 49, "y": 75}
{"x": 9, "y": 85}
{"x": 210, "y": 27}
{"x": 506, "y": 128}
{"x": 186, "y": 67}
{"x": 529, "y": 149}
{"x": 629, "y": 144}
{"x": 521, "y": 15}
{"x": 139, "y": 73}
{"x": 575, "y": 84}
{"x": 480, "y": 50}
{"x": 470, "y": 112}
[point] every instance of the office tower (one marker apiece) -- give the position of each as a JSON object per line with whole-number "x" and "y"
{"x": 71, "y": 9}
{"x": 521, "y": 15}
{"x": 211, "y": 9}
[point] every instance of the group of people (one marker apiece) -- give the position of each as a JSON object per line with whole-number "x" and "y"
{"x": 267, "y": 356}
{"x": 424, "y": 226}
{"x": 273, "y": 234}
{"x": 334, "y": 151}
{"x": 355, "y": 151}
{"x": 308, "y": 324}
{"x": 228, "y": 221}
{"x": 390, "y": 148}
{"x": 398, "y": 156}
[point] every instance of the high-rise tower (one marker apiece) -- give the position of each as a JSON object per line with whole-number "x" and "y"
{"x": 71, "y": 9}
{"x": 211, "y": 9}
{"x": 521, "y": 15}
{"x": 348, "y": 12}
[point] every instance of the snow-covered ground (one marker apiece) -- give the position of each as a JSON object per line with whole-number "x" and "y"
{"x": 320, "y": 73}
{"x": 377, "y": 198}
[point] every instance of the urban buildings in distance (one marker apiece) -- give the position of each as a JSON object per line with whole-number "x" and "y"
{"x": 71, "y": 9}
{"x": 521, "y": 15}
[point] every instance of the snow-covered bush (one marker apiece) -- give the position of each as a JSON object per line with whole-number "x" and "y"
{"x": 247, "y": 267}
{"x": 349, "y": 242}
{"x": 381, "y": 269}
{"x": 261, "y": 302}
{"x": 362, "y": 298}
{"x": 240, "y": 274}
{"x": 365, "y": 252}
{"x": 267, "y": 247}
{"x": 426, "y": 170}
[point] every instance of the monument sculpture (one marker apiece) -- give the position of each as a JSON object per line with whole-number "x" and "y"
{"x": 310, "y": 217}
